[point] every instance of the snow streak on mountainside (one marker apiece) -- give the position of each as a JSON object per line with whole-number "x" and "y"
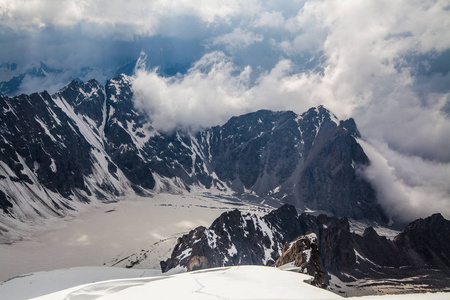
{"x": 88, "y": 143}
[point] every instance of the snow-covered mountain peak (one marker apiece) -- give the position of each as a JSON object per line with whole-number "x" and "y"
{"x": 119, "y": 87}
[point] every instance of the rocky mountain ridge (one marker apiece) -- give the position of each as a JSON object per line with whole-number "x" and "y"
{"x": 89, "y": 143}
{"x": 234, "y": 239}
{"x": 348, "y": 259}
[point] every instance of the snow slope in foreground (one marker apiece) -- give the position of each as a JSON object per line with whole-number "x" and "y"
{"x": 242, "y": 282}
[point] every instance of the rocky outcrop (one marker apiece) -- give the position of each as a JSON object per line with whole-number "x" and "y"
{"x": 423, "y": 244}
{"x": 334, "y": 239}
{"x": 377, "y": 249}
{"x": 233, "y": 239}
{"x": 4, "y": 203}
{"x": 303, "y": 252}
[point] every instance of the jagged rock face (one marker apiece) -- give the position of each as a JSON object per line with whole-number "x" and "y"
{"x": 232, "y": 239}
{"x": 242, "y": 149}
{"x": 423, "y": 244}
{"x": 40, "y": 145}
{"x": 418, "y": 256}
{"x": 307, "y": 160}
{"x": 304, "y": 253}
{"x": 125, "y": 134}
{"x": 87, "y": 99}
{"x": 421, "y": 248}
{"x": 52, "y": 153}
{"x": 377, "y": 249}
{"x": 328, "y": 177}
{"x": 427, "y": 242}
{"x": 335, "y": 241}
{"x": 236, "y": 239}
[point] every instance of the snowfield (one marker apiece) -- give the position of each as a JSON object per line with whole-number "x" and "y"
{"x": 241, "y": 282}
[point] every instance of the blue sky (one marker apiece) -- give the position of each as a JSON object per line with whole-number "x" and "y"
{"x": 385, "y": 63}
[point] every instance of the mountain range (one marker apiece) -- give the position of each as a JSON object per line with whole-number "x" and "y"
{"x": 88, "y": 142}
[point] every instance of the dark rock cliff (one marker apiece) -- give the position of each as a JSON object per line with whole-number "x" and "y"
{"x": 303, "y": 252}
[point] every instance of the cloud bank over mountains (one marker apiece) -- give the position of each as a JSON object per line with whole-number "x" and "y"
{"x": 385, "y": 63}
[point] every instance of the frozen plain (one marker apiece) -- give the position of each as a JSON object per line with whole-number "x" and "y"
{"x": 104, "y": 233}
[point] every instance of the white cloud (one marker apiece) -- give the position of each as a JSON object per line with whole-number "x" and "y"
{"x": 237, "y": 39}
{"x": 215, "y": 89}
{"x": 118, "y": 17}
{"x": 408, "y": 187}
{"x": 272, "y": 19}
{"x": 206, "y": 95}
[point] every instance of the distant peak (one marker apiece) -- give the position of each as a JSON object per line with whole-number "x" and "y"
{"x": 48, "y": 69}
{"x": 121, "y": 78}
{"x": 320, "y": 114}
{"x": 77, "y": 83}
{"x": 141, "y": 63}
{"x": 322, "y": 108}
{"x": 437, "y": 216}
{"x": 370, "y": 232}
{"x": 94, "y": 82}
{"x": 351, "y": 127}
{"x": 319, "y": 110}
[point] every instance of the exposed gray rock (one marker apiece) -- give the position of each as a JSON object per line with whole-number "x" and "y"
{"x": 303, "y": 252}
{"x": 426, "y": 242}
